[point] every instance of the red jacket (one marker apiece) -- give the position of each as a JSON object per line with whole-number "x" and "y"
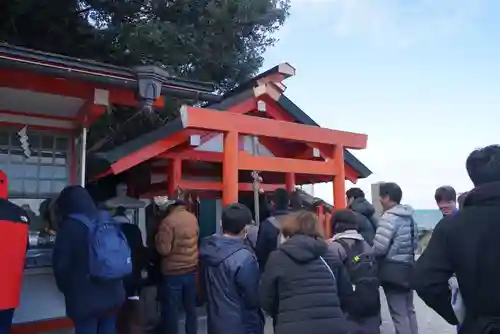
{"x": 14, "y": 226}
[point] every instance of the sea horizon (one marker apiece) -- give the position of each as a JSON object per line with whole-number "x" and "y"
{"x": 427, "y": 218}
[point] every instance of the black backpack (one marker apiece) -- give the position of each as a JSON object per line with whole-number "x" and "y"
{"x": 362, "y": 270}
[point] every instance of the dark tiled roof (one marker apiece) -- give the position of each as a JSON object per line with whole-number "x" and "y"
{"x": 92, "y": 71}
{"x": 100, "y": 162}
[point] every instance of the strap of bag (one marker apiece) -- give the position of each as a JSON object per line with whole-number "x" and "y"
{"x": 346, "y": 248}
{"x": 351, "y": 251}
{"x": 327, "y": 267}
{"x": 412, "y": 233}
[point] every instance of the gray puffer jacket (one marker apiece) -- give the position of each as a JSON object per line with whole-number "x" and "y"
{"x": 393, "y": 237}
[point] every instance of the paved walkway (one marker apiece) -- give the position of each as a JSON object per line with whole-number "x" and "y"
{"x": 429, "y": 321}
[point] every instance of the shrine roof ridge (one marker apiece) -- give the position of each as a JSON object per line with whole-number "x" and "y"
{"x": 285, "y": 70}
{"x": 229, "y": 99}
{"x": 93, "y": 71}
{"x": 245, "y": 90}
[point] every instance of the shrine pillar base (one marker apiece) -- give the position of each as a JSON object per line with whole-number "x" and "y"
{"x": 230, "y": 168}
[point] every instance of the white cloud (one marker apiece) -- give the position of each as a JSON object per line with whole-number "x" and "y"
{"x": 301, "y": 2}
{"x": 399, "y": 22}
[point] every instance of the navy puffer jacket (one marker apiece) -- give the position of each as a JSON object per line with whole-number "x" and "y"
{"x": 231, "y": 280}
{"x": 85, "y": 298}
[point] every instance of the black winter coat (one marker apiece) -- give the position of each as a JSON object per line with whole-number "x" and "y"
{"x": 231, "y": 280}
{"x": 267, "y": 238}
{"x": 465, "y": 244}
{"x": 367, "y": 222}
{"x": 299, "y": 292}
{"x": 139, "y": 253}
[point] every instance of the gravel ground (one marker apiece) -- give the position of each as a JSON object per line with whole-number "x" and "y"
{"x": 429, "y": 322}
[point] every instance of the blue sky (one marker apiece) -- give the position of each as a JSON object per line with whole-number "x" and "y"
{"x": 420, "y": 77}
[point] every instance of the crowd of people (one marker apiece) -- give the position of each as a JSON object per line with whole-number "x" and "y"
{"x": 285, "y": 270}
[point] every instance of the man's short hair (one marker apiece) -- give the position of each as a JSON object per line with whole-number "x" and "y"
{"x": 355, "y": 193}
{"x": 445, "y": 194}
{"x": 483, "y": 165}
{"x": 391, "y": 190}
{"x": 234, "y": 218}
{"x": 281, "y": 199}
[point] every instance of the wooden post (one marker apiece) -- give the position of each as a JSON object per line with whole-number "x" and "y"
{"x": 174, "y": 176}
{"x": 256, "y": 196}
{"x": 290, "y": 182}
{"x": 339, "y": 178}
{"x": 230, "y": 168}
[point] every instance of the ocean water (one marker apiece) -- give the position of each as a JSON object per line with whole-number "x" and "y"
{"x": 428, "y": 218}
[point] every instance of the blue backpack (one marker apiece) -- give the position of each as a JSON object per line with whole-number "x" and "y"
{"x": 109, "y": 252}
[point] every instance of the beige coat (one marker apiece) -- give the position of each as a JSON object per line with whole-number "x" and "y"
{"x": 177, "y": 242}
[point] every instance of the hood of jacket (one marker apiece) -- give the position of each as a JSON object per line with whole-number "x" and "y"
{"x": 76, "y": 200}
{"x": 303, "y": 249}
{"x": 401, "y": 210}
{"x": 349, "y": 234}
{"x": 361, "y": 205}
{"x": 484, "y": 195}
{"x": 217, "y": 248}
